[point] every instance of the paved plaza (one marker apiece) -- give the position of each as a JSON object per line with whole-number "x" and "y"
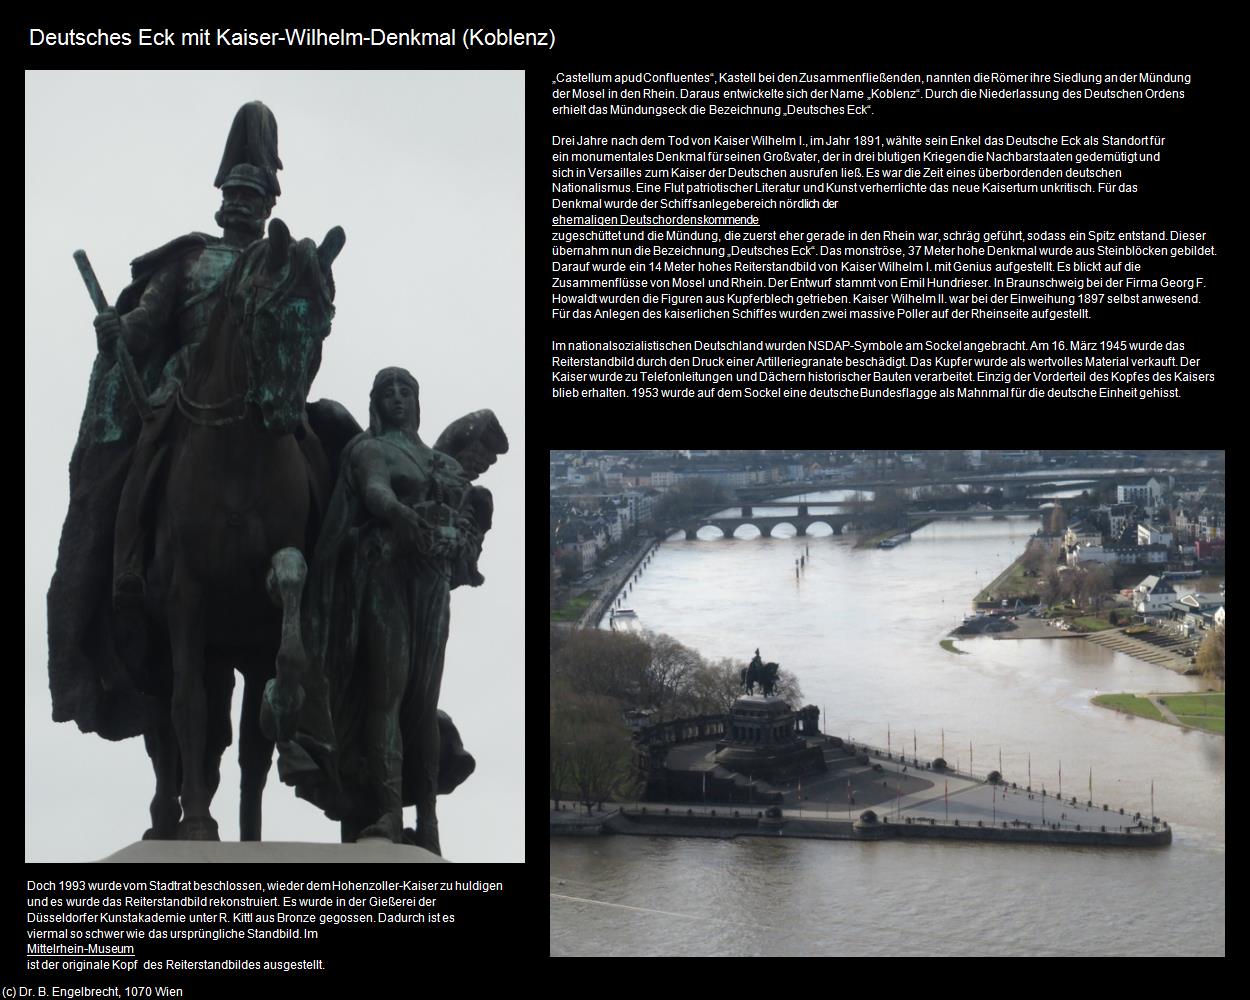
{"x": 898, "y": 790}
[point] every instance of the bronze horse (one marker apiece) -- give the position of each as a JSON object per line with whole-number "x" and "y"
{"x": 765, "y": 675}
{"x": 239, "y": 504}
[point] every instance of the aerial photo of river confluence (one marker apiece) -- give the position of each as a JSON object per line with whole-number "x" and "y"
{"x": 860, "y": 628}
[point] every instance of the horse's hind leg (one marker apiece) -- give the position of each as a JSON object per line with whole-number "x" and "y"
{"x": 163, "y": 750}
{"x": 255, "y": 749}
{"x": 184, "y": 611}
{"x": 219, "y": 692}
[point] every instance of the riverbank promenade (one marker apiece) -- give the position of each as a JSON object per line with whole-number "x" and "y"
{"x": 932, "y": 804}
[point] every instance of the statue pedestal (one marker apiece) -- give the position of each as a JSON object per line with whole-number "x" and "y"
{"x": 270, "y": 852}
{"x": 761, "y": 739}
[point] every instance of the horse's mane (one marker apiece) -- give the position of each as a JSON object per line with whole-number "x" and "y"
{"x": 226, "y": 319}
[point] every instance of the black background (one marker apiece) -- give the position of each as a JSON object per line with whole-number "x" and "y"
{"x": 1201, "y": 174}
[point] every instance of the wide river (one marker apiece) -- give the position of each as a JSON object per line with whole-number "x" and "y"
{"x": 861, "y": 629}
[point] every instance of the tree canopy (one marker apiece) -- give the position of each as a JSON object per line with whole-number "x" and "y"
{"x": 1211, "y": 654}
{"x": 596, "y": 676}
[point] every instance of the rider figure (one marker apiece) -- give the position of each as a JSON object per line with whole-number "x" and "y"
{"x": 165, "y": 312}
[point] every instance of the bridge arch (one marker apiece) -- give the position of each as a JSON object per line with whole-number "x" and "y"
{"x": 834, "y": 527}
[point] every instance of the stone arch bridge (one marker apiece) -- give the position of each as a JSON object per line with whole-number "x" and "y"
{"x": 804, "y": 519}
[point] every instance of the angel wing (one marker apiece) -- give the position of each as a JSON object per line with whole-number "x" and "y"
{"x": 476, "y": 441}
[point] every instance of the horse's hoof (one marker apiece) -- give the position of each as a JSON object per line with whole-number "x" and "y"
{"x": 198, "y": 828}
{"x": 426, "y": 835}
{"x": 388, "y": 827}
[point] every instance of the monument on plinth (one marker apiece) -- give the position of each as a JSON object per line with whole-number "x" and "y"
{"x": 763, "y": 734}
{"x": 219, "y": 520}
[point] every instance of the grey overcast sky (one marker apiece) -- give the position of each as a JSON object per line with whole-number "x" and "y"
{"x": 424, "y": 172}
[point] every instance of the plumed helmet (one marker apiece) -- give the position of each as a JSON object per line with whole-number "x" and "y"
{"x": 252, "y": 143}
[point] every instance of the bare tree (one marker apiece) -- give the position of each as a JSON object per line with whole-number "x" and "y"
{"x": 713, "y": 687}
{"x": 672, "y": 665}
{"x": 569, "y": 564}
{"x": 558, "y": 748}
{"x": 1211, "y": 654}
{"x": 596, "y": 745}
{"x": 614, "y": 664}
{"x": 1070, "y": 584}
{"x": 1052, "y": 585}
{"x": 1096, "y": 586}
{"x": 1056, "y": 520}
{"x": 788, "y": 689}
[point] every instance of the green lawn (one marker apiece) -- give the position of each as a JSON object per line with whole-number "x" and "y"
{"x": 1129, "y": 703}
{"x": 1209, "y": 705}
{"x": 1013, "y": 584}
{"x": 1202, "y": 711}
{"x": 1203, "y": 722}
{"x": 573, "y": 608}
{"x": 1093, "y": 624}
{"x": 949, "y": 646}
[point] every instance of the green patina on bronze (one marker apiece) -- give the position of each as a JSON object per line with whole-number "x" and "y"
{"x": 206, "y": 445}
{"x": 405, "y": 526}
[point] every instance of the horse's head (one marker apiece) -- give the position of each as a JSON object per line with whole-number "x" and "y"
{"x": 281, "y": 292}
